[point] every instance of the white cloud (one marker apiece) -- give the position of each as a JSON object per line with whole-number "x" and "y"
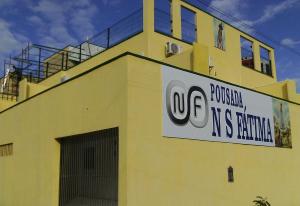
{"x": 53, "y": 24}
{"x": 52, "y": 11}
{"x": 5, "y": 2}
{"x": 9, "y": 42}
{"x": 289, "y": 42}
{"x": 64, "y": 21}
{"x": 81, "y": 21}
{"x": 272, "y": 10}
{"x": 35, "y": 20}
{"x": 232, "y": 7}
{"x": 245, "y": 25}
{"x": 61, "y": 34}
{"x": 50, "y": 41}
{"x": 111, "y": 2}
{"x": 236, "y": 7}
{"x": 81, "y": 3}
{"x": 56, "y": 23}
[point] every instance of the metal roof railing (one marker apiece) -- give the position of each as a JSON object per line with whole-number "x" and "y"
{"x": 39, "y": 62}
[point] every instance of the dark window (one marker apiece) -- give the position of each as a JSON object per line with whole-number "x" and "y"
{"x": 265, "y": 61}
{"x": 247, "y": 53}
{"x": 163, "y": 19}
{"x": 188, "y": 25}
{"x": 230, "y": 174}
{"x": 6, "y": 150}
{"x": 89, "y": 169}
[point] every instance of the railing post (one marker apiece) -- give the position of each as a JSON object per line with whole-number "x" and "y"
{"x": 28, "y": 51}
{"x": 47, "y": 69}
{"x": 108, "y": 37}
{"x": 39, "y": 70}
{"x": 62, "y": 60}
{"x": 18, "y": 79}
{"x": 22, "y": 58}
{"x": 80, "y": 53}
{"x": 7, "y": 89}
{"x": 67, "y": 60}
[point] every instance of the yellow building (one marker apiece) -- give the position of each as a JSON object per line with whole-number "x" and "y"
{"x": 159, "y": 109}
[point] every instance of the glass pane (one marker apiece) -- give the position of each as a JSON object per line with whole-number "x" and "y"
{"x": 163, "y": 21}
{"x": 265, "y": 61}
{"x": 247, "y": 53}
{"x": 188, "y": 26}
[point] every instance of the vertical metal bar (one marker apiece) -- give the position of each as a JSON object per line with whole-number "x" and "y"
{"x": 271, "y": 72}
{"x": 7, "y": 89}
{"x": 62, "y": 60}
{"x": 67, "y": 60}
{"x": 30, "y": 76}
{"x": 17, "y": 79}
{"x": 28, "y": 51}
{"x": 80, "y": 47}
{"x": 39, "y": 69}
{"x": 108, "y": 37}
{"x": 2, "y": 79}
{"x": 22, "y": 59}
{"x": 47, "y": 69}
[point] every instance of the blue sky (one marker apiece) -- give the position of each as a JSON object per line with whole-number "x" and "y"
{"x": 61, "y": 22}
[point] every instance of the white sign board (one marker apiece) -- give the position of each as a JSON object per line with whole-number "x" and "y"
{"x": 197, "y": 107}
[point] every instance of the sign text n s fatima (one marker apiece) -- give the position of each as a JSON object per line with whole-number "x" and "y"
{"x": 197, "y": 107}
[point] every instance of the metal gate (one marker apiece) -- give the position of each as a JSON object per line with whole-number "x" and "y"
{"x": 89, "y": 169}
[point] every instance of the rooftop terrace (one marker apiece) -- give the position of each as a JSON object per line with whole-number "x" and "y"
{"x": 153, "y": 30}
{"x": 39, "y": 62}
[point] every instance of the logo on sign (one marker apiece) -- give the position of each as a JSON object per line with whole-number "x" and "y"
{"x": 186, "y": 104}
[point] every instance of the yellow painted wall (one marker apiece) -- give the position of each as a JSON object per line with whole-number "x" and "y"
{"x": 95, "y": 101}
{"x": 154, "y": 170}
{"x": 227, "y": 63}
{"x": 169, "y": 171}
{"x": 4, "y": 103}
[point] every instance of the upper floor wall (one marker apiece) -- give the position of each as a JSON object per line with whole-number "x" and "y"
{"x": 208, "y": 45}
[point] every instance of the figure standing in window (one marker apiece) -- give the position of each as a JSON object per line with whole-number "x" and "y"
{"x": 220, "y": 37}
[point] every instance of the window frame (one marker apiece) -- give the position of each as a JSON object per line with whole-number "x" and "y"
{"x": 195, "y": 24}
{"x": 252, "y": 50}
{"x": 159, "y": 30}
{"x": 270, "y": 61}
